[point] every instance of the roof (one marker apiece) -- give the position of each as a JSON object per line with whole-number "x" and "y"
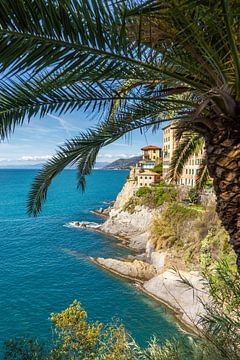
{"x": 151, "y": 147}
{"x": 148, "y": 173}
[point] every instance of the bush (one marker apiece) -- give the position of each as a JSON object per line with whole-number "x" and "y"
{"x": 156, "y": 196}
{"x": 142, "y": 191}
{"x": 158, "y": 168}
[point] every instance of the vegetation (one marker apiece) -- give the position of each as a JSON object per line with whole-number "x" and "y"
{"x": 76, "y": 337}
{"x": 158, "y": 168}
{"x": 193, "y": 195}
{"x": 153, "y": 197}
{"x": 138, "y": 63}
{"x": 192, "y": 235}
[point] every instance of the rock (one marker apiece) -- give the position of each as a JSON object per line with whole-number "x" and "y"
{"x": 157, "y": 259}
{"x": 133, "y": 227}
{"x": 169, "y": 288}
{"x": 136, "y": 269}
{"x": 83, "y": 224}
{"x": 125, "y": 194}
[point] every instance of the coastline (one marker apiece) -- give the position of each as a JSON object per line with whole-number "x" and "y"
{"x": 186, "y": 327}
{"x": 184, "y": 323}
{"x": 150, "y": 268}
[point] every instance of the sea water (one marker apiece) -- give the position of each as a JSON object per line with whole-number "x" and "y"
{"x": 44, "y": 265}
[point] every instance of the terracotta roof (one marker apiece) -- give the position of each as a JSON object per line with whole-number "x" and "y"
{"x": 150, "y": 147}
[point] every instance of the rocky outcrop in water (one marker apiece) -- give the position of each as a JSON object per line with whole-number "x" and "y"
{"x": 135, "y": 269}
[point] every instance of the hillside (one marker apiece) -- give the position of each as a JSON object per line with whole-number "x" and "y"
{"x": 123, "y": 163}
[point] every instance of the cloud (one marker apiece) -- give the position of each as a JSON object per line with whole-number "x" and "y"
{"x": 115, "y": 156}
{"x": 35, "y": 158}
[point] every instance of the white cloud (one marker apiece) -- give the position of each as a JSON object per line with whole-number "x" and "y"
{"x": 35, "y": 158}
{"x": 115, "y": 156}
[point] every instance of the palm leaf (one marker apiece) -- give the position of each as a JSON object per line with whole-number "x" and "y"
{"x": 203, "y": 174}
{"x": 187, "y": 146}
{"x": 82, "y": 152}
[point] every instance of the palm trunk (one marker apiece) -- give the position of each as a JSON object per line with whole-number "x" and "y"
{"x": 223, "y": 153}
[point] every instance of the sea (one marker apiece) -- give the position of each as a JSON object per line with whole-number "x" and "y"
{"x": 44, "y": 265}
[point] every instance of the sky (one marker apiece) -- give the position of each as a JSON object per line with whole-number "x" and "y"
{"x": 36, "y": 142}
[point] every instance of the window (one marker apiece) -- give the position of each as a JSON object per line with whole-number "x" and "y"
{"x": 192, "y": 171}
{"x": 145, "y": 177}
{"x": 192, "y": 182}
{"x": 186, "y": 171}
{"x": 185, "y": 181}
{"x": 140, "y": 184}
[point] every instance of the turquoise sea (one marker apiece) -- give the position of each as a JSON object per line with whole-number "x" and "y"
{"x": 43, "y": 265}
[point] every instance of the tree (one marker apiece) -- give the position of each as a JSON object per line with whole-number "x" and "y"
{"x": 139, "y": 63}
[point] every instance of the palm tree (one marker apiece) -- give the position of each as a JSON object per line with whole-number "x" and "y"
{"x": 187, "y": 145}
{"x": 137, "y": 63}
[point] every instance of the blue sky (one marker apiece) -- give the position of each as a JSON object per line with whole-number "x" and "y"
{"x": 37, "y": 141}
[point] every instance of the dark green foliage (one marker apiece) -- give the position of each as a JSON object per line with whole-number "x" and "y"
{"x": 111, "y": 58}
{"x": 193, "y": 195}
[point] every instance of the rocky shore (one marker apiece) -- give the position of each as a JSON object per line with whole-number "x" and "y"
{"x": 149, "y": 267}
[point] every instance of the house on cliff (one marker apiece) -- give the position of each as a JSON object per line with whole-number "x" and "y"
{"x": 142, "y": 174}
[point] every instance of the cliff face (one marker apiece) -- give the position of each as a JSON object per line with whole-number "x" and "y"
{"x": 134, "y": 227}
{"x": 168, "y": 236}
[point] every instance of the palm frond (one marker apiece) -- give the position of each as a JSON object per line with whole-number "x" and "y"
{"x": 24, "y": 98}
{"x": 82, "y": 152}
{"x": 203, "y": 174}
{"x": 187, "y": 146}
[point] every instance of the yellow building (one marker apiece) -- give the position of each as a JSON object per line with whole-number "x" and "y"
{"x": 151, "y": 152}
{"x": 190, "y": 170}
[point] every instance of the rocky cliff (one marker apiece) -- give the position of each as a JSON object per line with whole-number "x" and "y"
{"x": 165, "y": 236}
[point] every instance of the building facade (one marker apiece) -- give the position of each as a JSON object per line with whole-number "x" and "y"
{"x": 147, "y": 178}
{"x": 190, "y": 170}
{"x": 151, "y": 156}
{"x": 142, "y": 174}
{"x": 169, "y": 145}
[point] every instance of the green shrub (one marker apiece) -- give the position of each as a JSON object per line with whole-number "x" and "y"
{"x": 156, "y": 196}
{"x": 158, "y": 168}
{"x": 142, "y": 191}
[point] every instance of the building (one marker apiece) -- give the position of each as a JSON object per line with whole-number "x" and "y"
{"x": 169, "y": 145}
{"x": 151, "y": 156}
{"x": 190, "y": 170}
{"x": 151, "y": 152}
{"x": 147, "y": 178}
{"x": 142, "y": 174}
